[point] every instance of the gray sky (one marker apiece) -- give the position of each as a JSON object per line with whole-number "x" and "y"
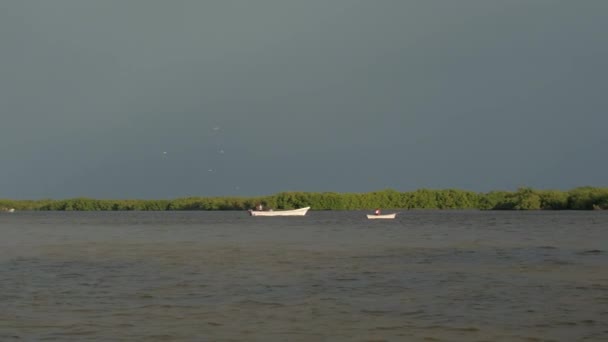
{"x": 256, "y": 97}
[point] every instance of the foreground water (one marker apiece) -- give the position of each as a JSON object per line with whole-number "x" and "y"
{"x": 329, "y": 276}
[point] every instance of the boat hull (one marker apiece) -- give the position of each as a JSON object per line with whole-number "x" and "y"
{"x": 380, "y": 217}
{"x": 294, "y": 212}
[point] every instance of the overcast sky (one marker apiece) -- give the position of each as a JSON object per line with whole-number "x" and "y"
{"x": 164, "y": 99}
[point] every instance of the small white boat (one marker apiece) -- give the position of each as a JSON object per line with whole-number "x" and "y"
{"x": 383, "y": 216}
{"x": 294, "y": 212}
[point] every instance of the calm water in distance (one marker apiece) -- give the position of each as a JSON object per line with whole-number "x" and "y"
{"x": 328, "y": 276}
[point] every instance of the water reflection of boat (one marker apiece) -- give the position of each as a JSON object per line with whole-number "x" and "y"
{"x": 293, "y": 212}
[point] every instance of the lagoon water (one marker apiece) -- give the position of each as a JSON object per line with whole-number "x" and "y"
{"x": 329, "y": 276}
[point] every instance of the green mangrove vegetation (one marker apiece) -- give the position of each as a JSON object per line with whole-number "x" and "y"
{"x": 583, "y": 198}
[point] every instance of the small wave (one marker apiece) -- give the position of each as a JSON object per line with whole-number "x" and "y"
{"x": 77, "y": 333}
{"x": 328, "y": 299}
{"x": 558, "y": 262}
{"x": 70, "y": 275}
{"x": 411, "y": 313}
{"x": 463, "y": 329}
{"x": 391, "y": 327}
{"x": 259, "y": 303}
{"x": 375, "y": 312}
{"x": 591, "y": 252}
{"x": 161, "y": 337}
{"x": 567, "y": 323}
{"x": 155, "y": 306}
{"x": 598, "y": 286}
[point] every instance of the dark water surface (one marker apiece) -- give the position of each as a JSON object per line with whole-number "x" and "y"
{"x": 329, "y": 276}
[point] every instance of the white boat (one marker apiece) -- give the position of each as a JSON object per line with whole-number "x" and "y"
{"x": 383, "y": 216}
{"x": 294, "y": 212}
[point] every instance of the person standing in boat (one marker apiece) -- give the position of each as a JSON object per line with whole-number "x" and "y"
{"x": 377, "y": 212}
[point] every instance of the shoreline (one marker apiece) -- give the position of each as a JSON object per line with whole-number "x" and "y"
{"x": 582, "y": 198}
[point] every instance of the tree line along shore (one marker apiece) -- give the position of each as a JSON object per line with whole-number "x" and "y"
{"x": 583, "y": 198}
